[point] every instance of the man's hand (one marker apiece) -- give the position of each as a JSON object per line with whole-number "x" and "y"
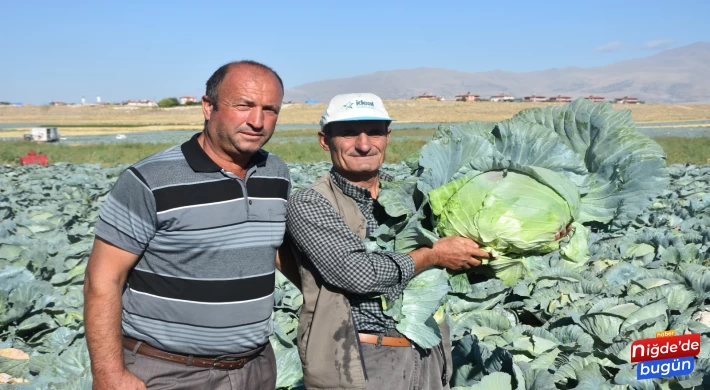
{"x": 458, "y": 253}
{"x": 561, "y": 234}
{"x": 105, "y": 277}
{"x": 454, "y": 253}
{"x": 123, "y": 381}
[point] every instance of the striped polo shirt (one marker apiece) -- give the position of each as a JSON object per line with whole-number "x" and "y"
{"x": 207, "y": 242}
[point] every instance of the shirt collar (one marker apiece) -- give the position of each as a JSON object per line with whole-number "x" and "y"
{"x": 199, "y": 161}
{"x": 352, "y": 190}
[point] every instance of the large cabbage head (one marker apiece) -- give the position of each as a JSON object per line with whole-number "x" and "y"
{"x": 505, "y": 210}
{"x": 513, "y": 185}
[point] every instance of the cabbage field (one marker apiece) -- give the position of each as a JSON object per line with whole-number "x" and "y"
{"x": 543, "y": 315}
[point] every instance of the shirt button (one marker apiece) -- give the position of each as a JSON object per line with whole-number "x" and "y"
{"x": 250, "y": 202}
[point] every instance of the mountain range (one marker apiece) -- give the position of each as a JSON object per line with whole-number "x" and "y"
{"x": 679, "y": 75}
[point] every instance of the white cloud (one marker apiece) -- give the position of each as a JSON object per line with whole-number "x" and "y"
{"x": 657, "y": 45}
{"x": 611, "y": 46}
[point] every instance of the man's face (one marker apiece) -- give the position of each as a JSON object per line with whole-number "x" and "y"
{"x": 247, "y": 110}
{"x": 356, "y": 147}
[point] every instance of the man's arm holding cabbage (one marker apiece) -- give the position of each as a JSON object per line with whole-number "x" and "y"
{"x": 349, "y": 266}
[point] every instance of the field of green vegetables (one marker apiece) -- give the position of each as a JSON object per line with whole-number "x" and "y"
{"x": 543, "y": 317}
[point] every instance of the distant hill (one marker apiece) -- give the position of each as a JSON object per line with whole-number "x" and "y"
{"x": 680, "y": 75}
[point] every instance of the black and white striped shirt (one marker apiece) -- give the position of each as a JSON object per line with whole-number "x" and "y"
{"x": 207, "y": 242}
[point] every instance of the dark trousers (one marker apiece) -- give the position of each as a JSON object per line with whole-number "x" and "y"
{"x": 257, "y": 374}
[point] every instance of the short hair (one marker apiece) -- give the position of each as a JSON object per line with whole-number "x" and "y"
{"x": 218, "y": 76}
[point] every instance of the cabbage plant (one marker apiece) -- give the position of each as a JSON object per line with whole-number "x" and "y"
{"x": 560, "y": 328}
{"x": 512, "y": 185}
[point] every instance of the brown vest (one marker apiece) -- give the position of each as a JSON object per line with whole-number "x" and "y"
{"x": 327, "y": 342}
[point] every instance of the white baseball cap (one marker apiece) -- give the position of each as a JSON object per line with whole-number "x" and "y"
{"x": 354, "y": 107}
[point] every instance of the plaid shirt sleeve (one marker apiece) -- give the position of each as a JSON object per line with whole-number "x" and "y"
{"x": 338, "y": 253}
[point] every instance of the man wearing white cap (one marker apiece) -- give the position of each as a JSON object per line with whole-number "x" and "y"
{"x": 345, "y": 339}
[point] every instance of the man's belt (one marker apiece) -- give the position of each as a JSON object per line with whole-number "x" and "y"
{"x": 225, "y": 362}
{"x": 384, "y": 340}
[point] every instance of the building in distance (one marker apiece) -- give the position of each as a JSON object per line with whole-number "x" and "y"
{"x": 187, "y": 99}
{"x": 534, "y": 98}
{"x": 595, "y": 99}
{"x": 141, "y": 103}
{"x": 426, "y": 96}
{"x": 560, "y": 99}
{"x": 467, "y": 97}
{"x": 503, "y": 97}
{"x": 627, "y": 100}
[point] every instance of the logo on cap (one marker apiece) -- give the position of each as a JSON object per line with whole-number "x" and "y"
{"x": 348, "y": 105}
{"x": 365, "y": 103}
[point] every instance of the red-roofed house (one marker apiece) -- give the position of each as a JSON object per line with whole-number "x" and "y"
{"x": 187, "y": 99}
{"x": 627, "y": 100}
{"x": 426, "y": 96}
{"x": 560, "y": 99}
{"x": 534, "y": 98}
{"x": 595, "y": 99}
{"x": 467, "y": 97}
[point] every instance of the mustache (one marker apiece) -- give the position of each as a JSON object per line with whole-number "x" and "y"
{"x": 249, "y": 130}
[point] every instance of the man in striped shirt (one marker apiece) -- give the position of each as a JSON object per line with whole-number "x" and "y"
{"x": 179, "y": 286}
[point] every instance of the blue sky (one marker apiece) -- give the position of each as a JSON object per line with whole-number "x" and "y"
{"x": 154, "y": 49}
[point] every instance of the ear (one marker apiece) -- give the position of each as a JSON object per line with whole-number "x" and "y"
{"x": 323, "y": 141}
{"x": 207, "y": 107}
{"x": 389, "y": 133}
